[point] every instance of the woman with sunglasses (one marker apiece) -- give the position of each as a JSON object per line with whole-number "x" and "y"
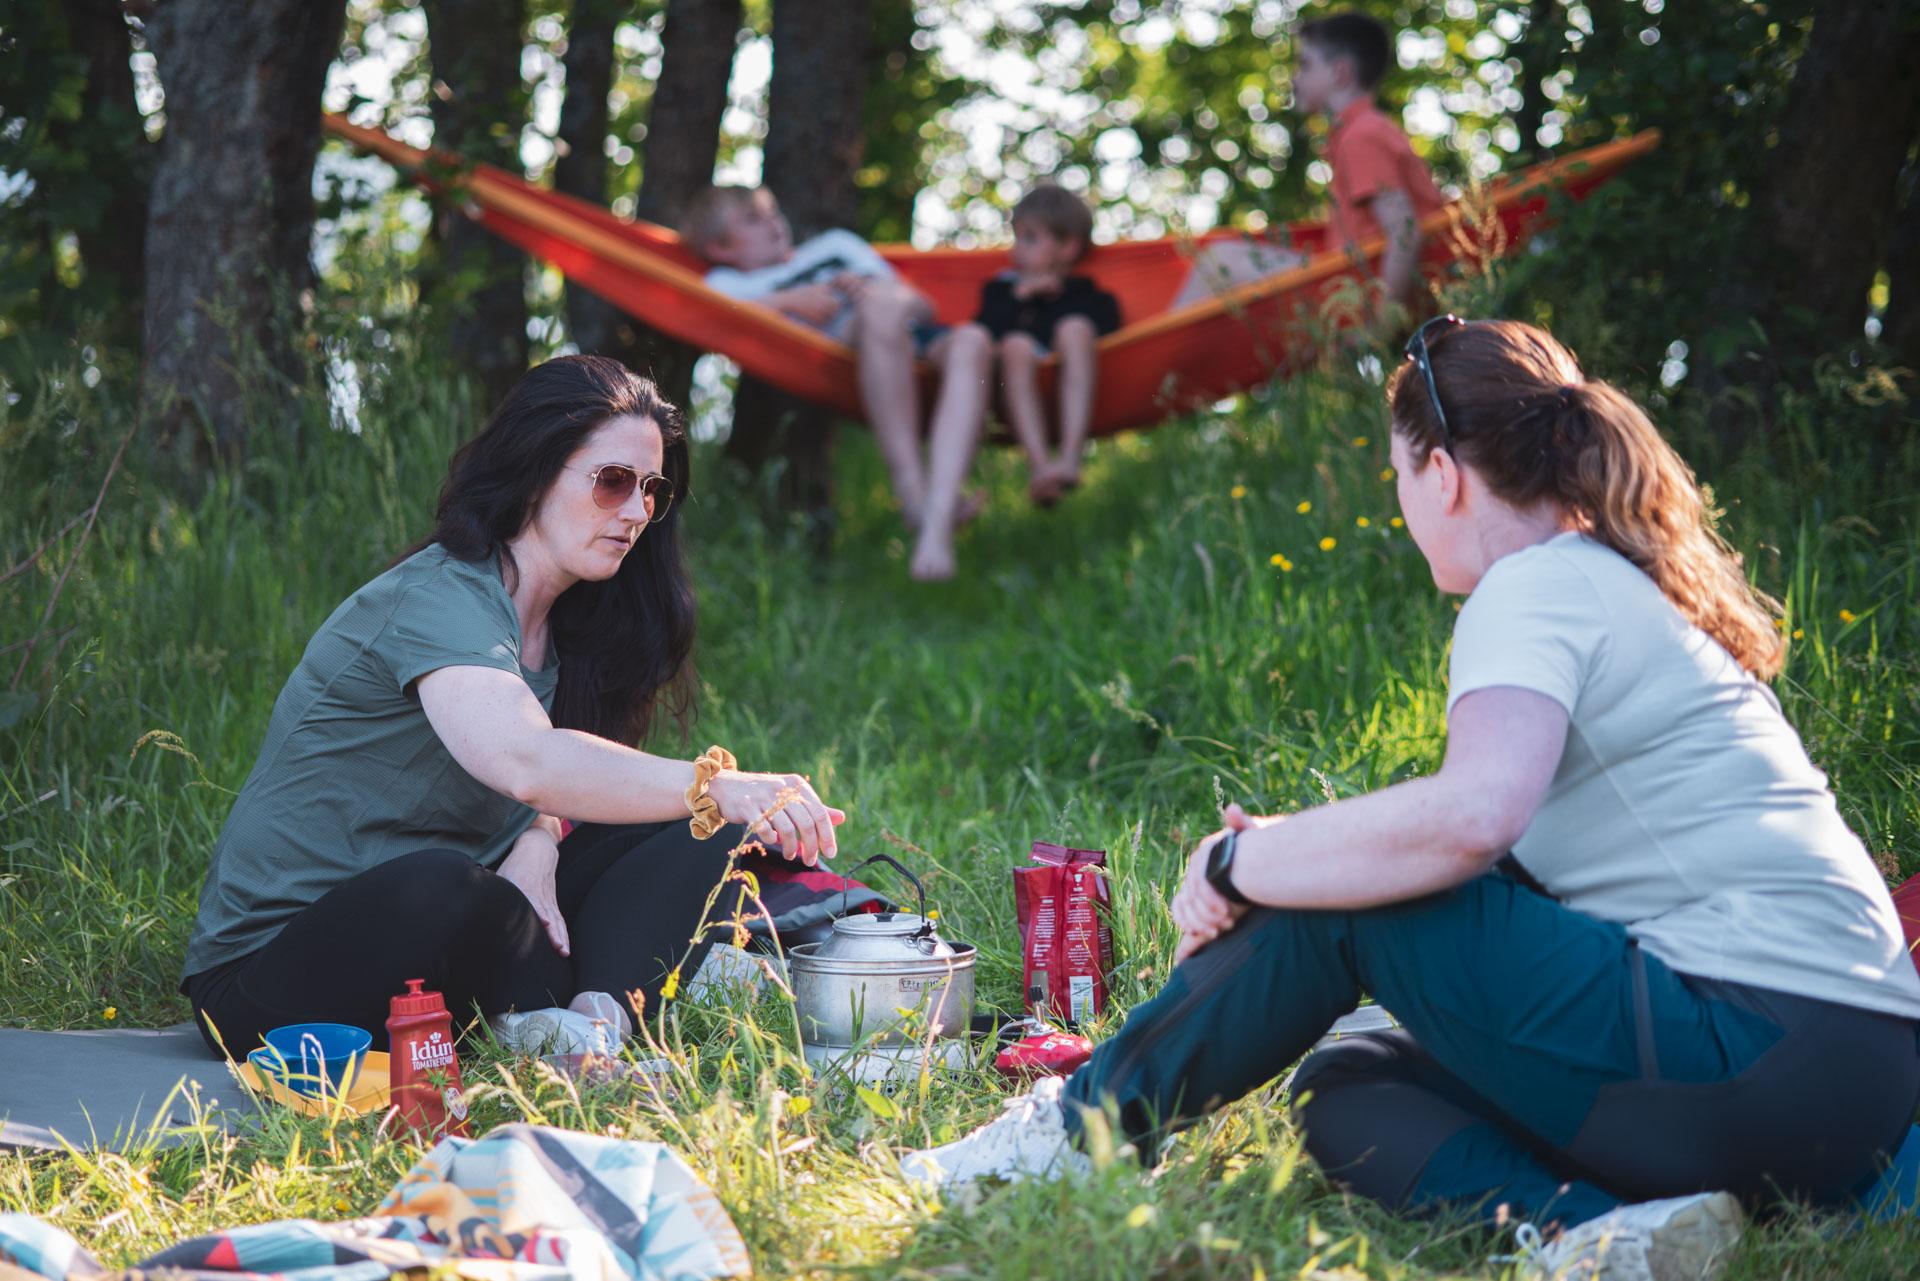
{"x": 403, "y": 819}
{"x": 1689, "y": 989}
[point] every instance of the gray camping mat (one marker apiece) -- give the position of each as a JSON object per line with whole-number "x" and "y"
{"x": 103, "y": 1089}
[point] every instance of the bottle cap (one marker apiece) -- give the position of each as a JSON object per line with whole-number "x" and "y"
{"x": 415, "y": 1001}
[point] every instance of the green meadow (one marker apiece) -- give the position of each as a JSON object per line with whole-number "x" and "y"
{"x": 1226, "y": 610}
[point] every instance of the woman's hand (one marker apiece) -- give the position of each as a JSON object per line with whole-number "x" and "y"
{"x": 530, "y": 865}
{"x": 780, "y": 809}
{"x": 1202, "y": 912}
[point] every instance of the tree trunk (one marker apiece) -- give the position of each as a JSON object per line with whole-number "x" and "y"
{"x": 1900, "y": 327}
{"x": 1542, "y": 45}
{"x": 596, "y": 326}
{"x": 676, "y": 157}
{"x": 230, "y": 217}
{"x": 114, "y": 244}
{"x": 816, "y": 137}
{"x": 1824, "y": 207}
{"x": 479, "y": 108}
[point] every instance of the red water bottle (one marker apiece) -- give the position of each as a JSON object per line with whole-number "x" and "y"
{"x": 425, "y": 1071}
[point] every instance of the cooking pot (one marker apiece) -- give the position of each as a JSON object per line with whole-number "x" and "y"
{"x": 882, "y": 979}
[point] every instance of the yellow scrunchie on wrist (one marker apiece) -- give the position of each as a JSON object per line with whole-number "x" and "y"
{"x": 705, "y": 810}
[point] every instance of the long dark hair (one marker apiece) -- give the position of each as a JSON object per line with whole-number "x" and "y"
{"x": 625, "y": 644}
{"x": 1536, "y": 428}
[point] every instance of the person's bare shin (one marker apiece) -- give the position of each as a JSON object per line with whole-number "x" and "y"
{"x": 883, "y": 349}
{"x": 1077, "y": 343}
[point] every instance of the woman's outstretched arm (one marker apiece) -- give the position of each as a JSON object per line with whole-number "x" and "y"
{"x": 495, "y": 727}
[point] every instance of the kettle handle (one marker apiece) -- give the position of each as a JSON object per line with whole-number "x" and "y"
{"x": 899, "y": 867}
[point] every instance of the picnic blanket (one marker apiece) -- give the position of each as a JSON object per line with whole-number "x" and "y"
{"x": 525, "y": 1203}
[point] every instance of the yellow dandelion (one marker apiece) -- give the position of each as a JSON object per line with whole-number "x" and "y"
{"x": 1847, "y": 616}
{"x": 1780, "y": 624}
{"x": 671, "y": 988}
{"x": 1328, "y": 543}
{"x": 1304, "y": 507}
{"x": 1386, "y": 473}
{"x": 1360, "y": 442}
{"x": 1237, "y": 492}
{"x": 1397, "y": 523}
{"x": 1363, "y": 522}
{"x": 340, "y": 1204}
{"x": 1141, "y": 1215}
{"x": 1799, "y": 633}
{"x": 111, "y": 1013}
{"x": 1280, "y": 563}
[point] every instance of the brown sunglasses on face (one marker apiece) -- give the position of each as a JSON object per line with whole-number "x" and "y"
{"x": 614, "y": 483}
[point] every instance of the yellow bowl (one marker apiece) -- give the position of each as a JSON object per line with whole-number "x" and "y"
{"x": 371, "y": 1089}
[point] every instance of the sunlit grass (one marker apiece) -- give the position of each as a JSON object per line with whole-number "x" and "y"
{"x": 1225, "y": 610}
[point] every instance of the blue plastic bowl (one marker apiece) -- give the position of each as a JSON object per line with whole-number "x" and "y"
{"x": 313, "y": 1058}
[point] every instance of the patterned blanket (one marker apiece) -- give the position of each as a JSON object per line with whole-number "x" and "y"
{"x": 525, "y": 1203}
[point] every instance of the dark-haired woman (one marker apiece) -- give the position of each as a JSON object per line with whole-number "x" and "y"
{"x": 1689, "y": 990}
{"x": 403, "y": 819}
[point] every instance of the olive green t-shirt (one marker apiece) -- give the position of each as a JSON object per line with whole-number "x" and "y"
{"x": 351, "y": 774}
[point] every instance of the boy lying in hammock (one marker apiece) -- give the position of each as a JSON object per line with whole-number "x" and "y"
{"x": 836, "y": 283}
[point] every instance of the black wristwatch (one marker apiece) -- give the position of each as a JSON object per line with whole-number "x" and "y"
{"x": 1220, "y": 869}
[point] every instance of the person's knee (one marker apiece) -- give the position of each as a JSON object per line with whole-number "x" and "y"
{"x": 1075, "y": 334}
{"x": 969, "y": 347}
{"x": 884, "y": 308}
{"x": 1018, "y": 351}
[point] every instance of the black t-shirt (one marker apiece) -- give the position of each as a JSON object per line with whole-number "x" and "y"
{"x": 1002, "y": 314}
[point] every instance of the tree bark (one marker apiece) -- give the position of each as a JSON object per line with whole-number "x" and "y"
{"x": 479, "y": 107}
{"x": 596, "y": 326}
{"x": 1900, "y": 327}
{"x": 1824, "y": 206}
{"x": 114, "y": 244}
{"x": 816, "y": 137}
{"x": 1541, "y": 46}
{"x": 230, "y": 218}
{"x": 676, "y": 158}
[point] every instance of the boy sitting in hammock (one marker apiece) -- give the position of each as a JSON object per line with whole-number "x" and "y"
{"x": 836, "y": 283}
{"x": 1040, "y": 306}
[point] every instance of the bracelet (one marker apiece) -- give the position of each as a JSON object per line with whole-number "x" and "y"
{"x": 705, "y": 810}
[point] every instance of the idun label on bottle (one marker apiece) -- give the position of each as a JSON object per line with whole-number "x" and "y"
{"x": 425, "y": 1069}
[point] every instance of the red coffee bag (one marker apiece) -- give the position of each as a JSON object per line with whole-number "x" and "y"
{"x": 1066, "y": 945}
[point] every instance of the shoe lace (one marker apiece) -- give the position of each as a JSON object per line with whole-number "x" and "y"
{"x": 1530, "y": 1242}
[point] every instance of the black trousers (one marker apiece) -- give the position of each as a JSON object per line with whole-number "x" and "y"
{"x": 634, "y": 898}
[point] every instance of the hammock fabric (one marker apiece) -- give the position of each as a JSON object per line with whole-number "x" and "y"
{"x": 1162, "y": 362}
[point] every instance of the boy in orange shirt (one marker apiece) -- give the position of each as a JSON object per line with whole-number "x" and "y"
{"x": 1379, "y": 186}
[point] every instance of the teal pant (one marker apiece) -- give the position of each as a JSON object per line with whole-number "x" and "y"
{"x": 1547, "y": 1068}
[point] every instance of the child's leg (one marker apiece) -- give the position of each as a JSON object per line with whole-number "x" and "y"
{"x": 1076, "y": 340}
{"x": 883, "y": 346}
{"x": 1020, "y": 359}
{"x": 965, "y": 357}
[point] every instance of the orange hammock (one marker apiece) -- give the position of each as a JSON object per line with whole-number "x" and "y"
{"x": 1163, "y": 361}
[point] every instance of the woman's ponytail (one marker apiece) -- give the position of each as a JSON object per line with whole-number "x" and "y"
{"x": 1535, "y": 429}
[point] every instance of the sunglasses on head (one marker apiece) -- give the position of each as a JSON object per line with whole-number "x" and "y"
{"x": 614, "y": 483}
{"x": 1423, "y": 361}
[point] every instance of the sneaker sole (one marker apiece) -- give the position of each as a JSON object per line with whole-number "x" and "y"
{"x": 1695, "y": 1244}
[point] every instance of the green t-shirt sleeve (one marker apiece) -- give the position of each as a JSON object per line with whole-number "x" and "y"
{"x": 447, "y": 621}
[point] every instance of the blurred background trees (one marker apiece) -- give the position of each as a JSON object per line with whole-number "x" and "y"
{"x": 1771, "y": 247}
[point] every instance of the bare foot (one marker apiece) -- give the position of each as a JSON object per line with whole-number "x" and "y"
{"x": 1043, "y": 487}
{"x": 972, "y": 503}
{"x": 1066, "y": 474}
{"x": 933, "y": 559}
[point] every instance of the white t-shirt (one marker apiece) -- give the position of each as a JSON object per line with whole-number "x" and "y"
{"x": 1684, "y": 807}
{"x": 815, "y": 261}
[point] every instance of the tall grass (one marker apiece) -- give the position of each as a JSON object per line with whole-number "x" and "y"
{"x": 1103, "y": 674}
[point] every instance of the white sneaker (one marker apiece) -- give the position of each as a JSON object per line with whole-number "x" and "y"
{"x": 1028, "y": 1140}
{"x": 554, "y": 1031}
{"x": 1686, "y": 1238}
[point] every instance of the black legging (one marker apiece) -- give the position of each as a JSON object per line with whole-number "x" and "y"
{"x": 632, "y": 897}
